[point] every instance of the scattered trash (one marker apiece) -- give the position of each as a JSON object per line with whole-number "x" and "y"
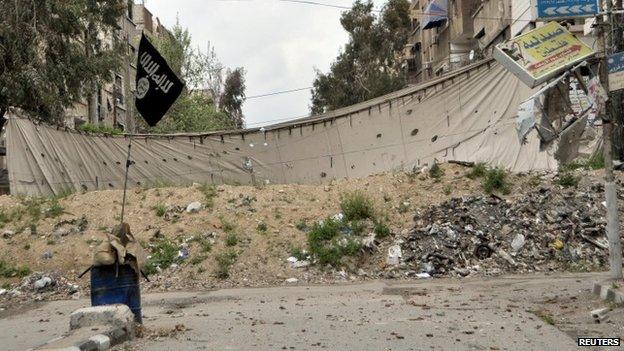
{"x": 183, "y": 253}
{"x": 194, "y": 207}
{"x": 43, "y": 283}
{"x": 517, "y": 243}
{"x": 423, "y": 275}
{"x": 600, "y": 314}
{"x": 47, "y": 255}
{"x": 338, "y": 217}
{"x": 7, "y": 234}
{"x": 292, "y": 280}
{"x": 394, "y": 255}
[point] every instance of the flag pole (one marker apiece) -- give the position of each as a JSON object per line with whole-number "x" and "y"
{"x": 128, "y": 164}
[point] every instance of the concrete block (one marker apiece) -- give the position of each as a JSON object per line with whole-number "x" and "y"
{"x": 107, "y": 315}
{"x": 102, "y": 341}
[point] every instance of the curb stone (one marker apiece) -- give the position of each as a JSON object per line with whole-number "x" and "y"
{"x": 608, "y": 293}
{"x": 97, "y": 342}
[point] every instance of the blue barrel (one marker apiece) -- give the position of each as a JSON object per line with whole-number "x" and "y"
{"x": 109, "y": 288}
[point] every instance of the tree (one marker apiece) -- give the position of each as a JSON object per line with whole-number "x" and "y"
{"x": 369, "y": 65}
{"x": 52, "y": 53}
{"x": 233, "y": 96}
{"x": 213, "y": 96}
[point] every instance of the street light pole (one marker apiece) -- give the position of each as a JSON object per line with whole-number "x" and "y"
{"x": 613, "y": 226}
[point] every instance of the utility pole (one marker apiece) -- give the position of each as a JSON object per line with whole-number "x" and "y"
{"x": 613, "y": 226}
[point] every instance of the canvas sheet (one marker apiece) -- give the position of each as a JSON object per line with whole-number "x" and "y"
{"x": 468, "y": 115}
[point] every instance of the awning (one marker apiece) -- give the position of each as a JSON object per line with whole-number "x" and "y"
{"x": 435, "y": 14}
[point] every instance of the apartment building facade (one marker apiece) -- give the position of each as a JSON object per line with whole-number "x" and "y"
{"x": 112, "y": 103}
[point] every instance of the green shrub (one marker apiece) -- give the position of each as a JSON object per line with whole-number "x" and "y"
{"x": 448, "y": 190}
{"x": 226, "y": 225}
{"x": 198, "y": 259}
{"x": 55, "y": 210}
{"x": 299, "y": 254}
{"x": 324, "y": 244}
{"x": 9, "y": 271}
{"x": 4, "y": 218}
{"x": 160, "y": 210}
{"x": 496, "y": 180}
{"x": 163, "y": 254}
{"x": 262, "y": 228}
{"x": 478, "y": 171}
{"x": 301, "y": 225}
{"x": 224, "y": 261}
{"x": 210, "y": 192}
{"x": 356, "y": 206}
{"x": 381, "y": 229}
{"x": 567, "y": 180}
{"x": 231, "y": 239}
{"x": 436, "y": 172}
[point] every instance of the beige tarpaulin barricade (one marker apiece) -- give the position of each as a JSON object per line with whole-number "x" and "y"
{"x": 468, "y": 115}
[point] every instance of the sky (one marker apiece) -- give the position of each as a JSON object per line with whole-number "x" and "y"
{"x": 280, "y": 44}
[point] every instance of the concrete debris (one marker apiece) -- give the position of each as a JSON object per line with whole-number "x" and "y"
{"x": 600, "y": 314}
{"x": 517, "y": 243}
{"x": 544, "y": 229}
{"x": 394, "y": 255}
{"x": 43, "y": 283}
{"x": 194, "y": 207}
{"x": 109, "y": 315}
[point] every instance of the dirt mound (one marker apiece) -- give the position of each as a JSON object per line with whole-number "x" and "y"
{"x": 245, "y": 236}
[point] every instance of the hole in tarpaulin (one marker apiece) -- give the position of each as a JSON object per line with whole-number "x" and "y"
{"x": 84, "y": 187}
{"x": 352, "y": 166}
{"x": 414, "y": 132}
{"x": 378, "y": 135}
{"x": 117, "y": 162}
{"x": 42, "y": 155}
{"x": 175, "y": 159}
{"x": 139, "y": 183}
{"x": 146, "y": 162}
{"x": 409, "y": 112}
{"x": 323, "y": 174}
{"x": 189, "y": 157}
{"x": 111, "y": 185}
{"x": 237, "y": 148}
{"x": 105, "y": 164}
{"x": 435, "y": 137}
{"x": 164, "y": 160}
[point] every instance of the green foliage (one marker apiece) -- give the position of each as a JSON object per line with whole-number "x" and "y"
{"x": 262, "y": 228}
{"x": 224, "y": 261}
{"x": 325, "y": 244}
{"x": 436, "y": 172}
{"x": 210, "y": 192}
{"x": 231, "y": 239}
{"x": 478, "y": 171}
{"x": 593, "y": 163}
{"x": 567, "y": 180}
{"x": 204, "y": 244}
{"x": 448, "y": 190}
{"x": 54, "y": 210}
{"x": 163, "y": 254}
{"x": 301, "y": 225}
{"x": 496, "y": 180}
{"x": 357, "y": 206}
{"x": 198, "y": 259}
{"x": 160, "y": 210}
{"x": 53, "y": 53}
{"x": 214, "y": 96}
{"x": 368, "y": 66}
{"x": 99, "y": 129}
{"x": 299, "y": 254}
{"x": 381, "y": 229}
{"x": 9, "y": 271}
{"x": 226, "y": 225}
{"x": 4, "y": 218}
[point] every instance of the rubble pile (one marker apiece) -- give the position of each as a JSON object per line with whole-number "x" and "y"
{"x": 544, "y": 229}
{"x": 39, "y": 287}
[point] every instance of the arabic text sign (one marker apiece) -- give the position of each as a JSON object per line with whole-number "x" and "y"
{"x": 550, "y": 9}
{"x": 616, "y": 71}
{"x": 542, "y": 53}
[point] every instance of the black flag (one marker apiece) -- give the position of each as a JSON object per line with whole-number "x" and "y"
{"x": 157, "y": 87}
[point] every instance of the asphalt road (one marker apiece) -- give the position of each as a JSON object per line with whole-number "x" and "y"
{"x": 505, "y": 313}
